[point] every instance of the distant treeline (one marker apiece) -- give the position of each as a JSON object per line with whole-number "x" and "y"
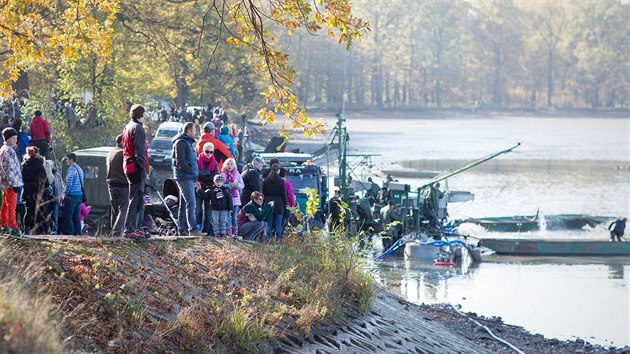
{"x": 465, "y": 54}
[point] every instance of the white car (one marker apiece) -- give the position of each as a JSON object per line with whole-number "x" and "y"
{"x": 168, "y": 130}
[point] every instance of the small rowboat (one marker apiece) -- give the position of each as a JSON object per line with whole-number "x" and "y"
{"x": 556, "y": 247}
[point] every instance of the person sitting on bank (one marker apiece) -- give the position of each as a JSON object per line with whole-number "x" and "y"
{"x": 617, "y": 229}
{"x": 253, "y": 217}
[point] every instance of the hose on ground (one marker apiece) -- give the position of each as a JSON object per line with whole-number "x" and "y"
{"x": 489, "y": 332}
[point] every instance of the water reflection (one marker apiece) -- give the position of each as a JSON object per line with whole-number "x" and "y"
{"x": 616, "y": 271}
{"x": 561, "y": 297}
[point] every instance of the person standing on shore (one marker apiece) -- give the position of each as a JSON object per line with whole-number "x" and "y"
{"x": 185, "y": 173}
{"x": 208, "y": 168}
{"x": 35, "y": 193}
{"x": 274, "y": 190}
{"x": 136, "y": 167}
{"x": 221, "y": 152}
{"x": 221, "y": 203}
{"x": 617, "y": 229}
{"x": 118, "y": 188}
{"x": 71, "y": 222}
{"x": 40, "y": 134}
{"x": 251, "y": 179}
{"x": 234, "y": 182}
{"x": 10, "y": 183}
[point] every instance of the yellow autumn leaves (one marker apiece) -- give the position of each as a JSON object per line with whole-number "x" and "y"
{"x": 33, "y": 31}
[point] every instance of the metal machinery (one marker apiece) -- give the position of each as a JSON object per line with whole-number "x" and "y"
{"x": 302, "y": 174}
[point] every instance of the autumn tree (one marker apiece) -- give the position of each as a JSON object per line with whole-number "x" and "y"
{"x": 179, "y": 36}
{"x": 34, "y": 32}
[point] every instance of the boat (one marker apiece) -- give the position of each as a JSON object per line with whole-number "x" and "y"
{"x": 540, "y": 247}
{"x": 574, "y": 221}
{"x": 516, "y": 223}
{"x": 410, "y": 173}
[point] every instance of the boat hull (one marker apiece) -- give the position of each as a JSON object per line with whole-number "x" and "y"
{"x": 556, "y": 248}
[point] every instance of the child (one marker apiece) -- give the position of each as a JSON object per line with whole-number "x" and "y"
{"x": 227, "y": 140}
{"x": 23, "y": 141}
{"x": 10, "y": 181}
{"x": 221, "y": 203}
{"x": 85, "y": 210}
{"x": 233, "y": 182}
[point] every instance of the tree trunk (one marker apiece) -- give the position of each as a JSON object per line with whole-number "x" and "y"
{"x": 182, "y": 92}
{"x": 549, "y": 77}
{"x": 497, "y": 98}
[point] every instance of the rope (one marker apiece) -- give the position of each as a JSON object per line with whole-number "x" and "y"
{"x": 489, "y": 331}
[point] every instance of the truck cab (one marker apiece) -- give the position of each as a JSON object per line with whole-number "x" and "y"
{"x": 302, "y": 174}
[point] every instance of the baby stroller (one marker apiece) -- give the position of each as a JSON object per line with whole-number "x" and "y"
{"x": 164, "y": 213}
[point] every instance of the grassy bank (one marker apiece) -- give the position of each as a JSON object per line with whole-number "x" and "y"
{"x": 197, "y": 295}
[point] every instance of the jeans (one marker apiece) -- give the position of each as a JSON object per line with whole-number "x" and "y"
{"x": 119, "y": 197}
{"x": 275, "y": 224}
{"x": 71, "y": 223}
{"x": 251, "y": 229}
{"x": 234, "y": 214}
{"x": 204, "y": 213}
{"x": 219, "y": 218}
{"x": 55, "y": 218}
{"x": 187, "y": 204}
{"x": 135, "y": 211}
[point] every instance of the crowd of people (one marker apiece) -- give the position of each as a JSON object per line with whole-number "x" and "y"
{"x": 34, "y": 198}
{"x": 214, "y": 197}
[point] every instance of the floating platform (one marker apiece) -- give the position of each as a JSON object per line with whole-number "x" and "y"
{"x": 527, "y": 247}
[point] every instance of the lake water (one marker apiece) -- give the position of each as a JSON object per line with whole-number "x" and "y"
{"x": 564, "y": 166}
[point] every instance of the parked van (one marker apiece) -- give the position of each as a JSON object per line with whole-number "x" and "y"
{"x": 168, "y": 130}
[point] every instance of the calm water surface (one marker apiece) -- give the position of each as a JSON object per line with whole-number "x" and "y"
{"x": 565, "y": 166}
{"x": 563, "y": 298}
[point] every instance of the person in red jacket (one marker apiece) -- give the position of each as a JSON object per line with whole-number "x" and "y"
{"x": 40, "y": 134}
{"x": 136, "y": 168}
{"x": 221, "y": 152}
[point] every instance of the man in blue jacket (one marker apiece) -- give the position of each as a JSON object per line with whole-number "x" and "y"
{"x": 185, "y": 173}
{"x": 617, "y": 229}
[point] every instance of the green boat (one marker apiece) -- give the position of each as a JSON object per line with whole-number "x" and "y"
{"x": 539, "y": 247}
{"x": 574, "y": 221}
{"x": 517, "y": 223}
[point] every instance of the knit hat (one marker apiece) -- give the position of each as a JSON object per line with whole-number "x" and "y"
{"x": 225, "y": 130}
{"x": 218, "y": 178}
{"x": 8, "y": 133}
{"x": 209, "y": 127}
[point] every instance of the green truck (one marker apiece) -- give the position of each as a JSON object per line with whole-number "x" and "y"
{"x": 302, "y": 174}
{"x": 92, "y": 161}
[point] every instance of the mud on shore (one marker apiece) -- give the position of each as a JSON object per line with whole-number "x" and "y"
{"x": 464, "y": 325}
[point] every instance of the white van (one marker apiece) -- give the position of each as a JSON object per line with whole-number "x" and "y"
{"x": 168, "y": 130}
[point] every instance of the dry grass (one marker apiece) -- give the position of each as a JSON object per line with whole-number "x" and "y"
{"x": 26, "y": 317}
{"x": 188, "y": 295}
